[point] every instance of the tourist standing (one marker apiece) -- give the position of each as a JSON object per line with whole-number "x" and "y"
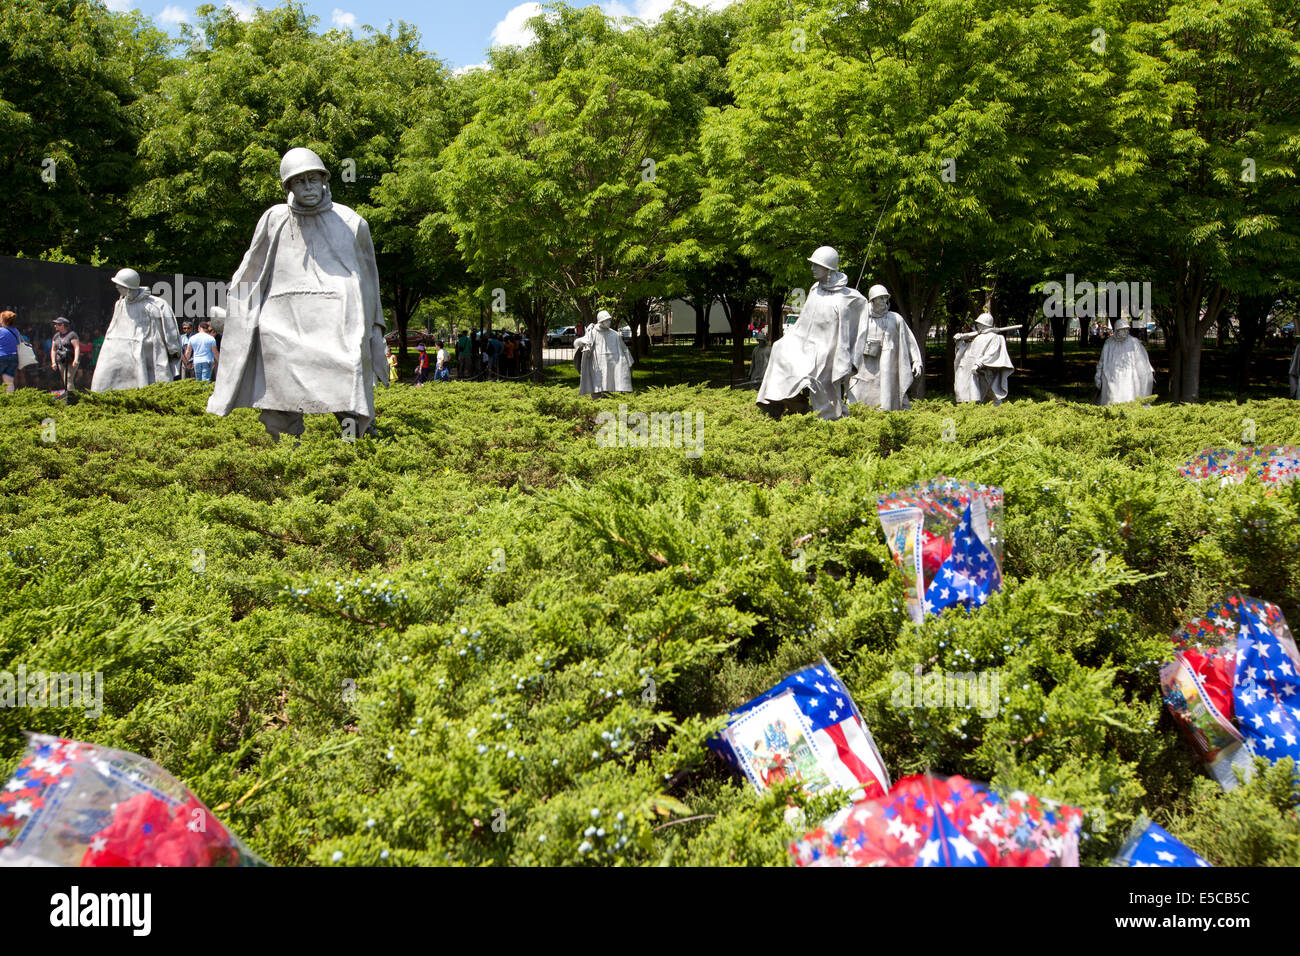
{"x": 8, "y": 351}
{"x": 65, "y": 353}
{"x": 202, "y": 353}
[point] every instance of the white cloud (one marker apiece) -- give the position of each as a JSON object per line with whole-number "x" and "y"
{"x": 119, "y": 6}
{"x": 242, "y": 11}
{"x": 462, "y": 70}
{"x": 344, "y": 20}
{"x": 174, "y": 15}
{"x": 652, "y": 10}
{"x": 513, "y": 29}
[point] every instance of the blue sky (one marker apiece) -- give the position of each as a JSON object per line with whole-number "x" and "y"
{"x": 458, "y": 31}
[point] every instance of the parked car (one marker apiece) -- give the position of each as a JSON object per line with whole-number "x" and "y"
{"x": 561, "y": 338}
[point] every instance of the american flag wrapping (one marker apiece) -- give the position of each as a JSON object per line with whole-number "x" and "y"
{"x": 805, "y": 728}
{"x": 1149, "y": 844}
{"x": 1232, "y": 686}
{"x": 931, "y": 821}
{"x": 1272, "y": 464}
{"x": 944, "y": 536}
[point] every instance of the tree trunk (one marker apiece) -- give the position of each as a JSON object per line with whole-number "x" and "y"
{"x": 1060, "y": 326}
{"x": 641, "y": 325}
{"x": 739, "y": 312}
{"x": 1189, "y": 328}
{"x": 917, "y": 307}
{"x": 775, "y": 314}
{"x": 1252, "y": 314}
{"x": 702, "y": 302}
{"x": 535, "y": 315}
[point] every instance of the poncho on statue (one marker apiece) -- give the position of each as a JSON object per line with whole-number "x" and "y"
{"x": 758, "y": 361}
{"x": 606, "y": 362}
{"x": 1124, "y": 373}
{"x": 816, "y": 352}
{"x": 142, "y": 344}
{"x": 982, "y": 365}
{"x": 304, "y": 330}
{"x": 887, "y": 357}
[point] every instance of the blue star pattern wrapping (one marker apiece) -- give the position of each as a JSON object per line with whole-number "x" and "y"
{"x": 1232, "y": 686}
{"x": 1265, "y": 692}
{"x": 1149, "y": 844}
{"x": 933, "y": 821}
{"x": 944, "y": 536}
{"x": 807, "y": 729}
{"x": 968, "y": 575}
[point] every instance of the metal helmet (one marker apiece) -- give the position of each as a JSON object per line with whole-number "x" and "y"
{"x": 603, "y": 316}
{"x": 826, "y": 256}
{"x": 985, "y": 320}
{"x": 300, "y": 160}
{"x": 877, "y": 290}
{"x": 127, "y": 279}
{"x": 1122, "y": 323}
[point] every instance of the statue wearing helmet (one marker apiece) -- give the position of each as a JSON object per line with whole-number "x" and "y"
{"x": 1124, "y": 372}
{"x": 816, "y": 354}
{"x": 886, "y": 355}
{"x": 606, "y": 363}
{"x": 304, "y": 330}
{"x": 142, "y": 345}
{"x": 982, "y": 364}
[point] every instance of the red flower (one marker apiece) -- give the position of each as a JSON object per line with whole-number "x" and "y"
{"x": 145, "y": 832}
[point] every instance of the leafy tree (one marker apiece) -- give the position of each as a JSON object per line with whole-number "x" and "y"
{"x": 942, "y": 120}
{"x": 1211, "y": 107}
{"x": 250, "y": 91}
{"x": 570, "y": 181}
{"x": 71, "y": 76}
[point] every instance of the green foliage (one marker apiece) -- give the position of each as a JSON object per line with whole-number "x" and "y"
{"x": 483, "y": 638}
{"x": 71, "y": 77}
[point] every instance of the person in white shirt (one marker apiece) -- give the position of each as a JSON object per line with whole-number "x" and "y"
{"x": 441, "y": 371}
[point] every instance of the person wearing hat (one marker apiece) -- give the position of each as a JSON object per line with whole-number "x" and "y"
{"x": 982, "y": 364}
{"x": 304, "y": 329}
{"x": 142, "y": 345}
{"x": 758, "y": 360}
{"x": 816, "y": 353}
{"x": 887, "y": 357}
{"x": 606, "y": 362}
{"x": 421, "y": 364}
{"x": 1124, "y": 372}
{"x": 65, "y": 353}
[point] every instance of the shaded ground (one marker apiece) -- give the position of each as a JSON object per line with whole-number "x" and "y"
{"x": 1037, "y": 378}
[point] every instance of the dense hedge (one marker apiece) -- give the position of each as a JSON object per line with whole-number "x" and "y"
{"x": 485, "y": 638}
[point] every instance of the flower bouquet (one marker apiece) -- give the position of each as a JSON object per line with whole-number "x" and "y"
{"x": 931, "y": 821}
{"x": 1231, "y": 683}
{"x": 76, "y": 804}
{"x": 944, "y": 536}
